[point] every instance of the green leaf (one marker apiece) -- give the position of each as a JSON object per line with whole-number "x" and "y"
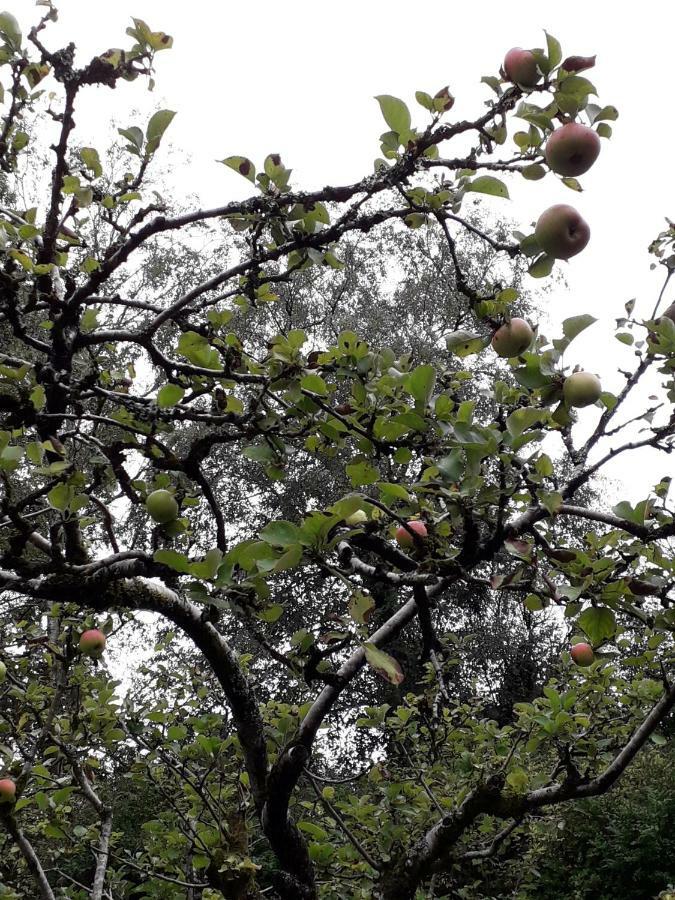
{"x": 174, "y": 560}
{"x": 242, "y": 165}
{"x": 396, "y": 113}
{"x": 420, "y": 384}
{"x": 362, "y": 473}
{"x": 280, "y": 533}
{"x": 522, "y": 419}
{"x": 271, "y": 613}
{"x": 135, "y": 137}
{"x": 196, "y": 348}
{"x": 533, "y": 172}
{"x": 315, "y": 384}
{"x": 207, "y": 567}
{"x": 361, "y": 607}
{"x": 10, "y": 31}
{"x": 577, "y": 86}
{"x": 488, "y": 184}
{"x": 10, "y": 458}
{"x": 385, "y": 666}
{"x": 554, "y": 51}
{"x": 176, "y": 732}
{"x": 90, "y": 158}
{"x": 534, "y": 603}
{"x": 157, "y": 125}
{"x": 38, "y": 397}
{"x": 542, "y": 266}
{"x": 89, "y": 319}
{"x": 289, "y": 560}
{"x": 34, "y": 453}
{"x": 314, "y": 831}
{"x": 598, "y": 623}
{"x": 59, "y": 497}
{"x": 424, "y": 100}
{"x": 518, "y": 780}
{"x": 465, "y": 343}
{"x": 170, "y": 395}
{"x": 576, "y": 324}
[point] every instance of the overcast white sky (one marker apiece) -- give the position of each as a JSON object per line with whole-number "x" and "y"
{"x": 298, "y": 78}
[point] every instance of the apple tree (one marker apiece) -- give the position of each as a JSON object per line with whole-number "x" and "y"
{"x": 278, "y": 740}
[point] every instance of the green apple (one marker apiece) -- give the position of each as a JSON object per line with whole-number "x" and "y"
{"x": 3, "y": 671}
{"x": 581, "y": 389}
{"x": 162, "y": 506}
{"x": 358, "y": 517}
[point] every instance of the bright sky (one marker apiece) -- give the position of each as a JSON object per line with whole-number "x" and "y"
{"x": 298, "y": 78}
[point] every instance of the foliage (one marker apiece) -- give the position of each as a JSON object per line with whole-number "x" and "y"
{"x": 319, "y": 711}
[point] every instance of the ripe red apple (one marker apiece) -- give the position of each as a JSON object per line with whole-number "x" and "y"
{"x": 572, "y": 149}
{"x": 162, "y": 506}
{"x": 92, "y": 643}
{"x": 7, "y": 790}
{"x": 561, "y": 232}
{"x": 405, "y": 539}
{"x": 582, "y": 654}
{"x": 581, "y": 389}
{"x": 512, "y": 338}
{"x": 521, "y": 67}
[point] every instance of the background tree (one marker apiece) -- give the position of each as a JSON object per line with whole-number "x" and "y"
{"x": 315, "y": 502}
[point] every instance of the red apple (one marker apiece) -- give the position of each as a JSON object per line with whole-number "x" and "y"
{"x": 582, "y": 654}
{"x": 512, "y": 338}
{"x": 405, "y": 539}
{"x": 581, "y": 389}
{"x": 7, "y": 790}
{"x": 561, "y": 232}
{"x": 521, "y": 67}
{"x": 572, "y": 149}
{"x": 92, "y": 643}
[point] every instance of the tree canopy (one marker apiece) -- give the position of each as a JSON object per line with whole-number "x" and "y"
{"x": 318, "y": 436}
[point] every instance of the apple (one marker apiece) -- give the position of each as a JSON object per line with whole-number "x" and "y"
{"x": 572, "y": 149}
{"x": 162, "y": 506}
{"x": 561, "y": 232}
{"x": 512, "y": 338}
{"x": 669, "y": 313}
{"x": 92, "y": 643}
{"x": 7, "y": 790}
{"x": 344, "y": 409}
{"x": 358, "y": 517}
{"x": 582, "y": 654}
{"x": 405, "y": 539}
{"x": 581, "y": 389}
{"x": 521, "y": 67}
{"x": 3, "y": 671}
